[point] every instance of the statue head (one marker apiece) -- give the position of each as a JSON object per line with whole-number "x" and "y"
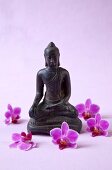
{"x": 51, "y": 54}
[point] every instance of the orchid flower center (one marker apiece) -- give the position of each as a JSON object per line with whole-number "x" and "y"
{"x": 63, "y": 142}
{"x": 14, "y": 120}
{"x": 86, "y": 115}
{"x": 96, "y": 131}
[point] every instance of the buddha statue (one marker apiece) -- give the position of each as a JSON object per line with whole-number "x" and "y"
{"x": 49, "y": 110}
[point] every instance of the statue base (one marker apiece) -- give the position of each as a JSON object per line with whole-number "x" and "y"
{"x": 36, "y": 127}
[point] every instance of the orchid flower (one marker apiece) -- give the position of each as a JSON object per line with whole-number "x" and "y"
{"x": 22, "y": 141}
{"x": 97, "y": 126}
{"x": 12, "y": 115}
{"x": 87, "y": 110}
{"x": 64, "y": 136}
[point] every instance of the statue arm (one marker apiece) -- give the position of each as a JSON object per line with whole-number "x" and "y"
{"x": 67, "y": 87}
{"x": 39, "y": 95}
{"x": 39, "y": 89}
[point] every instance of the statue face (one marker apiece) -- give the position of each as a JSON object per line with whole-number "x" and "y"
{"x": 52, "y": 58}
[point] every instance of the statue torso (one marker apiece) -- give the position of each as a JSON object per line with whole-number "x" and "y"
{"x": 54, "y": 81}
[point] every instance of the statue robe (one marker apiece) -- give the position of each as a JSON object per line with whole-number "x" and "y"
{"x": 50, "y": 113}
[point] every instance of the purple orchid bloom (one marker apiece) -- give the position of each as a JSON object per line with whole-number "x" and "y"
{"x": 22, "y": 141}
{"x": 87, "y": 110}
{"x": 97, "y": 126}
{"x": 64, "y": 136}
{"x": 12, "y": 115}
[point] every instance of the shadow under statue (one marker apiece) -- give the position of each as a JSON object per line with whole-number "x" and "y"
{"x": 55, "y": 108}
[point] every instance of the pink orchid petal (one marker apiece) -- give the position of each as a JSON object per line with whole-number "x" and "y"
{"x": 94, "y": 108}
{"x": 64, "y": 128}
{"x": 16, "y": 110}
{"x": 55, "y": 141}
{"x": 91, "y": 122}
{"x": 17, "y": 117}
{"x": 8, "y": 114}
{"x": 105, "y": 133}
{"x": 88, "y": 104}
{"x": 55, "y": 133}
{"x": 72, "y": 136}
{"x": 104, "y": 124}
{"x": 25, "y": 146}
{"x": 10, "y": 107}
{"x": 13, "y": 145}
{"x": 80, "y": 115}
{"x": 73, "y": 145}
{"x": 80, "y": 108}
{"x": 88, "y": 129}
{"x": 98, "y": 118}
{"x": 16, "y": 137}
{"x": 7, "y": 121}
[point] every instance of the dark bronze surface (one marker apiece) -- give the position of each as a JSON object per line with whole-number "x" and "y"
{"x": 54, "y": 108}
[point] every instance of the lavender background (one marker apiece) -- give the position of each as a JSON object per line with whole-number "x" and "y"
{"x": 82, "y": 30}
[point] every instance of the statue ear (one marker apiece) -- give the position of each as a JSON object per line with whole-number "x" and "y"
{"x": 45, "y": 61}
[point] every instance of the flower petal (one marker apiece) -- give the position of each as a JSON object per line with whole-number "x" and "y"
{"x": 17, "y": 117}
{"x": 94, "y": 108}
{"x": 25, "y": 146}
{"x": 73, "y": 145}
{"x": 91, "y": 122}
{"x": 8, "y": 114}
{"x": 72, "y": 135}
{"x": 13, "y": 145}
{"x": 80, "y": 108}
{"x": 104, "y": 124}
{"x": 105, "y": 133}
{"x": 98, "y": 118}
{"x": 88, "y": 104}
{"x": 88, "y": 129}
{"x": 64, "y": 128}
{"x": 16, "y": 137}
{"x": 9, "y": 107}
{"x": 55, "y": 133}
{"x": 16, "y": 110}
{"x": 7, "y": 121}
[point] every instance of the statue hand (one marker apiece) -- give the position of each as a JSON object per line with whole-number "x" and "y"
{"x": 32, "y": 111}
